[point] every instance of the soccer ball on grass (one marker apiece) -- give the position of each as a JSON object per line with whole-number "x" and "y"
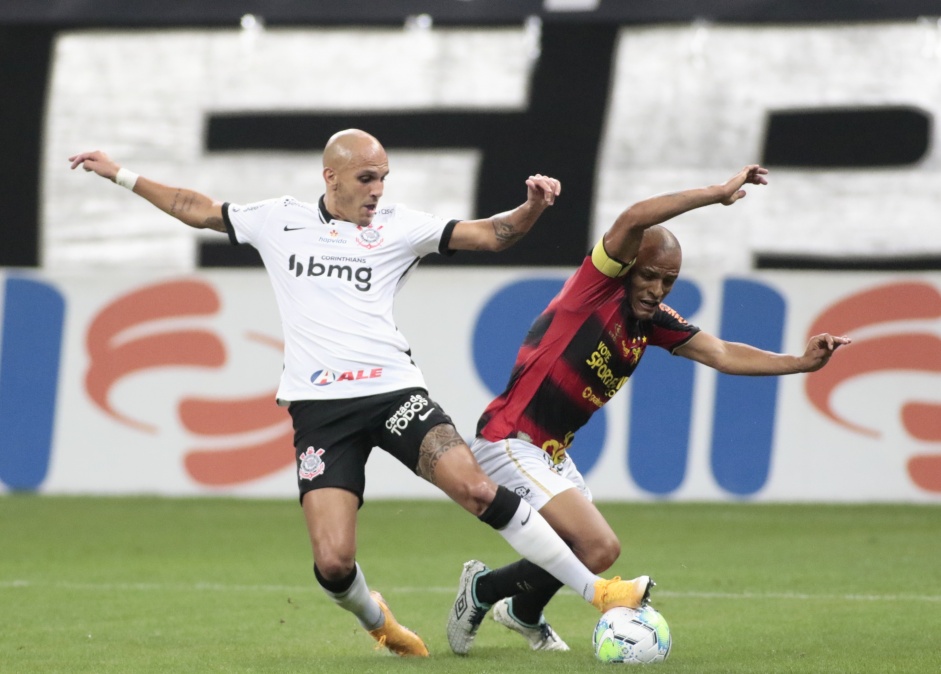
{"x": 632, "y": 636}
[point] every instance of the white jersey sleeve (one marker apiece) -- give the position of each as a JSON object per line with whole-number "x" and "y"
{"x": 425, "y": 232}
{"x": 248, "y": 221}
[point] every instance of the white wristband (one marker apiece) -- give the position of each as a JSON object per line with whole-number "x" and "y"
{"x": 126, "y": 178}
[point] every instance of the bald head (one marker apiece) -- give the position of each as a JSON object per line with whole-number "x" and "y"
{"x": 355, "y": 166}
{"x": 659, "y": 242}
{"x": 660, "y": 237}
{"x": 349, "y": 146}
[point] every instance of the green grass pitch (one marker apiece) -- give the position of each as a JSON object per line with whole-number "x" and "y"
{"x": 135, "y": 585}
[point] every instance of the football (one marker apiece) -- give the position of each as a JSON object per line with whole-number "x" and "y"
{"x": 632, "y": 636}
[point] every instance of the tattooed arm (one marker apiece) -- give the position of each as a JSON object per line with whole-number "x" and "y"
{"x": 187, "y": 206}
{"x": 501, "y": 231}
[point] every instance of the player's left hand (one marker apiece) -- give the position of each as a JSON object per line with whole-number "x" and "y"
{"x": 542, "y": 189}
{"x": 752, "y": 174}
{"x": 820, "y": 349}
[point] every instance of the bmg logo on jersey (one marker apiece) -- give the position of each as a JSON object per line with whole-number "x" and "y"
{"x": 360, "y": 276}
{"x": 417, "y": 405}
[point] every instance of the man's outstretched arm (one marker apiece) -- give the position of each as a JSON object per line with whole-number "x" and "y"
{"x": 192, "y": 208}
{"x": 501, "y": 231}
{"x": 622, "y": 240}
{"x": 744, "y": 359}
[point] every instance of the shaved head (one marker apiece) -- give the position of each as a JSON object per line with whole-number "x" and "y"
{"x": 659, "y": 240}
{"x": 355, "y": 166}
{"x": 347, "y": 146}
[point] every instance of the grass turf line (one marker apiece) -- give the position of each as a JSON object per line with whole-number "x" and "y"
{"x": 221, "y": 585}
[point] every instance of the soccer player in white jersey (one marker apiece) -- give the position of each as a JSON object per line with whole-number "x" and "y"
{"x": 348, "y": 380}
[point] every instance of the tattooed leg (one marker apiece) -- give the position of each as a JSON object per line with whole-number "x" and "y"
{"x": 438, "y": 441}
{"x": 447, "y": 462}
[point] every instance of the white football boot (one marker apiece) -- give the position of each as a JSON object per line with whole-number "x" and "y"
{"x": 541, "y": 637}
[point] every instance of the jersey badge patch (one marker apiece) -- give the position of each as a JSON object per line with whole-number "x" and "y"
{"x": 310, "y": 465}
{"x": 634, "y": 349}
{"x": 369, "y": 237}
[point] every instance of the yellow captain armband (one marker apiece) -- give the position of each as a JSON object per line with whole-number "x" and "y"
{"x": 606, "y": 264}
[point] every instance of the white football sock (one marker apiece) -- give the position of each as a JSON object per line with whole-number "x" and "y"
{"x": 532, "y": 536}
{"x": 357, "y": 601}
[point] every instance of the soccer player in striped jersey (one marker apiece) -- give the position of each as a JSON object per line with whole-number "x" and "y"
{"x": 579, "y": 352}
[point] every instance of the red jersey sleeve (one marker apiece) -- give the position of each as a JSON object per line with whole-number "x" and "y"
{"x": 670, "y": 330}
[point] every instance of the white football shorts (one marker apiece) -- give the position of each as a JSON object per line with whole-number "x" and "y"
{"x": 527, "y": 470}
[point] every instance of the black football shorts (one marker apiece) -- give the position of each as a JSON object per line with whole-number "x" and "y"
{"x": 333, "y": 438}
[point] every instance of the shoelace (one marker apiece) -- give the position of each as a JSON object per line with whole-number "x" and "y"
{"x": 477, "y": 615}
{"x": 616, "y": 579}
{"x": 545, "y": 632}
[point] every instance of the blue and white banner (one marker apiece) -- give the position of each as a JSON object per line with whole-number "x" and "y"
{"x": 120, "y": 383}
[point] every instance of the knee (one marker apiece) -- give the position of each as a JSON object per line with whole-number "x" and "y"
{"x": 601, "y": 554}
{"x": 334, "y": 566}
{"x": 468, "y": 486}
{"x": 477, "y": 494}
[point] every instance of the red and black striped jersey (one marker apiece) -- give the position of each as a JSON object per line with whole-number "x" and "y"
{"x": 578, "y": 353}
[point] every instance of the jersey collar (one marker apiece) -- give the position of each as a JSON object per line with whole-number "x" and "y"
{"x": 325, "y": 215}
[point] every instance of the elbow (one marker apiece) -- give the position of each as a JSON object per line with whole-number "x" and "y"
{"x": 499, "y": 246}
{"x": 721, "y": 365}
{"x": 190, "y": 221}
{"x": 631, "y": 219}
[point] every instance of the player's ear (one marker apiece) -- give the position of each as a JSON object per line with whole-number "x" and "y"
{"x": 330, "y": 177}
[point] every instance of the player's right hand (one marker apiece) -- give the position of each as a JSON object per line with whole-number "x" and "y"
{"x": 95, "y": 161}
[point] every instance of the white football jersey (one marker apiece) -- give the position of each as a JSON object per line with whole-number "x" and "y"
{"x": 335, "y": 284}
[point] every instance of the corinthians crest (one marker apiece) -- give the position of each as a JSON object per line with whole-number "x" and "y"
{"x": 310, "y": 465}
{"x": 369, "y": 238}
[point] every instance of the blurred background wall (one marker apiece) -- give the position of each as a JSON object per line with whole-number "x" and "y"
{"x": 618, "y": 100}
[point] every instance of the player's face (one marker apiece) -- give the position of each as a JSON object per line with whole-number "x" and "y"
{"x": 359, "y": 187}
{"x": 652, "y": 279}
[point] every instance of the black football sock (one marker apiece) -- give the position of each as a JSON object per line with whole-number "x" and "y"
{"x": 521, "y": 576}
{"x": 528, "y": 606}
